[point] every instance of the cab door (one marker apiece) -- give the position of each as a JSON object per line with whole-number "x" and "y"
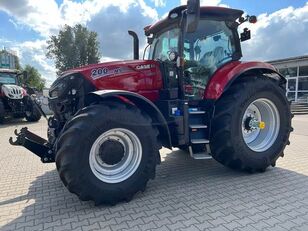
{"x": 205, "y": 51}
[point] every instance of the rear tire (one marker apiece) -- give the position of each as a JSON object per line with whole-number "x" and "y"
{"x": 230, "y": 145}
{"x": 90, "y": 174}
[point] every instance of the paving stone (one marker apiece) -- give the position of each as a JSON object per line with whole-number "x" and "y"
{"x": 187, "y": 194}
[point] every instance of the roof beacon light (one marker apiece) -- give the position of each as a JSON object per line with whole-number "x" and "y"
{"x": 253, "y": 19}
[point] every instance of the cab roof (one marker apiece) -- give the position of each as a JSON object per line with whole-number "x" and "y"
{"x": 205, "y": 11}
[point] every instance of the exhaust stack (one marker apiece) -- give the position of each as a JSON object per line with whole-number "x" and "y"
{"x": 136, "y": 43}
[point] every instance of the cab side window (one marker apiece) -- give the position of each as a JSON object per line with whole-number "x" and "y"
{"x": 163, "y": 44}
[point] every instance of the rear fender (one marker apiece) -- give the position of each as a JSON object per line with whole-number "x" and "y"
{"x": 141, "y": 102}
{"x": 228, "y": 74}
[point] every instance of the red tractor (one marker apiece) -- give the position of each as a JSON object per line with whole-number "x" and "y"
{"x": 193, "y": 92}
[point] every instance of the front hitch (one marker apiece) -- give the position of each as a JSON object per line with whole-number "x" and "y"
{"x": 34, "y": 143}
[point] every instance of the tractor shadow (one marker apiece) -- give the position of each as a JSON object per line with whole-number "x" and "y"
{"x": 15, "y": 123}
{"x": 182, "y": 186}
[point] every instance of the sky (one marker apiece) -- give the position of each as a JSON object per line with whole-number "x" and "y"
{"x": 26, "y": 25}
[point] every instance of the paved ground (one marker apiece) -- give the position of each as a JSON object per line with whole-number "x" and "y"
{"x": 186, "y": 194}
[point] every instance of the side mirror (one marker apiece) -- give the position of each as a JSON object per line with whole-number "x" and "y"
{"x": 251, "y": 19}
{"x": 245, "y": 35}
{"x": 150, "y": 40}
{"x": 193, "y": 15}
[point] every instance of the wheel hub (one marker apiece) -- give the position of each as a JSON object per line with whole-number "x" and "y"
{"x": 251, "y": 124}
{"x": 111, "y": 152}
{"x": 115, "y": 155}
{"x": 260, "y": 125}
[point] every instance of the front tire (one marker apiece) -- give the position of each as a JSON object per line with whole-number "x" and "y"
{"x": 107, "y": 153}
{"x": 251, "y": 125}
{"x": 32, "y": 114}
{"x": 2, "y": 112}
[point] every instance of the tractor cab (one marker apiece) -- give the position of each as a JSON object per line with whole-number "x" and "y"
{"x": 12, "y": 77}
{"x": 189, "y": 57}
{"x": 8, "y": 77}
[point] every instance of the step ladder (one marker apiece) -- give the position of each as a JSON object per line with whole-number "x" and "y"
{"x": 198, "y": 131}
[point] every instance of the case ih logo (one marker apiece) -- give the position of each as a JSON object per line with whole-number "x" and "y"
{"x": 145, "y": 66}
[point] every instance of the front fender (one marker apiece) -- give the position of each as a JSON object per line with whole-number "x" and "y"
{"x": 225, "y": 76}
{"x": 142, "y": 103}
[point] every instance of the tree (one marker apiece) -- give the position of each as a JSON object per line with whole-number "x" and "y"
{"x": 17, "y": 63}
{"x": 34, "y": 78}
{"x": 73, "y": 47}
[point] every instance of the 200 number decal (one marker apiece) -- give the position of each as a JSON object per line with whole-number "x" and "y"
{"x": 99, "y": 72}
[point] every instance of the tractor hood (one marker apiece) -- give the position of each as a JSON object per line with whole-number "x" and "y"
{"x": 114, "y": 67}
{"x": 12, "y": 91}
{"x": 140, "y": 76}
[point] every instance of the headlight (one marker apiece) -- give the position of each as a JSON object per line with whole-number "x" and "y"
{"x": 53, "y": 93}
{"x": 58, "y": 89}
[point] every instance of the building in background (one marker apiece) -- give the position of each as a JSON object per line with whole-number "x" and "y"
{"x": 8, "y": 59}
{"x": 296, "y": 71}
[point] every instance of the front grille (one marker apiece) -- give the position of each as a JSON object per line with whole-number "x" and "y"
{"x": 16, "y": 92}
{"x": 16, "y": 105}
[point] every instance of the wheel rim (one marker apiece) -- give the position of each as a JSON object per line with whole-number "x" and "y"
{"x": 261, "y": 111}
{"x": 124, "y": 165}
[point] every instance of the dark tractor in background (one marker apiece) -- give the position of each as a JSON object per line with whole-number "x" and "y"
{"x": 15, "y": 100}
{"x": 193, "y": 92}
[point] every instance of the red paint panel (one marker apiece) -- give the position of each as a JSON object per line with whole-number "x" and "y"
{"x": 24, "y": 92}
{"x": 226, "y": 73}
{"x": 140, "y": 76}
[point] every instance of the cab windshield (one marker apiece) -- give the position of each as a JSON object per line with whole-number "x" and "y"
{"x": 163, "y": 44}
{"x": 212, "y": 45}
{"x": 7, "y": 78}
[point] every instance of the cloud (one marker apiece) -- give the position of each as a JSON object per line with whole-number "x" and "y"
{"x": 46, "y": 16}
{"x": 159, "y": 3}
{"x": 42, "y": 16}
{"x": 118, "y": 17}
{"x": 281, "y": 34}
{"x": 113, "y": 36}
{"x": 33, "y": 53}
{"x": 82, "y": 12}
{"x": 110, "y": 18}
{"x": 15, "y": 7}
{"x": 14, "y": 23}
